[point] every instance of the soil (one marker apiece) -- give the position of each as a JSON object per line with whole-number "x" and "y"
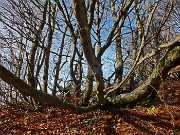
{"x": 162, "y": 117}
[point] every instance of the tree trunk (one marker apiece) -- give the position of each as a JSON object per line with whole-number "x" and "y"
{"x": 89, "y": 86}
{"x": 84, "y": 30}
{"x": 51, "y": 21}
{"x": 28, "y": 90}
{"x": 153, "y": 82}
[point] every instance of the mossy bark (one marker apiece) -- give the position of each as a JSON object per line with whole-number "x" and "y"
{"x": 153, "y": 82}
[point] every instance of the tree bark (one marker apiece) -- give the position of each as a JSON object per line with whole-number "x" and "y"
{"x": 28, "y": 90}
{"x": 89, "y": 86}
{"x": 118, "y": 47}
{"x": 84, "y": 30}
{"x": 153, "y": 82}
{"x": 51, "y": 21}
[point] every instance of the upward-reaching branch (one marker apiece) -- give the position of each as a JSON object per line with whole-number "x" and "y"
{"x": 112, "y": 33}
{"x": 172, "y": 44}
{"x": 80, "y": 13}
{"x": 91, "y": 17}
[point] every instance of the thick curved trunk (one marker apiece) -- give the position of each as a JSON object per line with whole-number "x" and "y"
{"x": 28, "y": 90}
{"x": 153, "y": 82}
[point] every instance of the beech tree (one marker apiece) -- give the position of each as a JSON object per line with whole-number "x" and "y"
{"x": 101, "y": 53}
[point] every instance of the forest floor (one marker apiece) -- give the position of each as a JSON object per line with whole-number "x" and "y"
{"x": 158, "y": 118}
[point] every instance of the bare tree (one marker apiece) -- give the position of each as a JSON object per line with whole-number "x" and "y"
{"x": 92, "y": 49}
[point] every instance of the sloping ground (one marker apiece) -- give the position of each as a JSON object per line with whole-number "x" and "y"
{"x": 160, "y": 118}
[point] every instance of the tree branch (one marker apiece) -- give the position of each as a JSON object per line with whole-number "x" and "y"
{"x": 154, "y": 81}
{"x": 27, "y": 90}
